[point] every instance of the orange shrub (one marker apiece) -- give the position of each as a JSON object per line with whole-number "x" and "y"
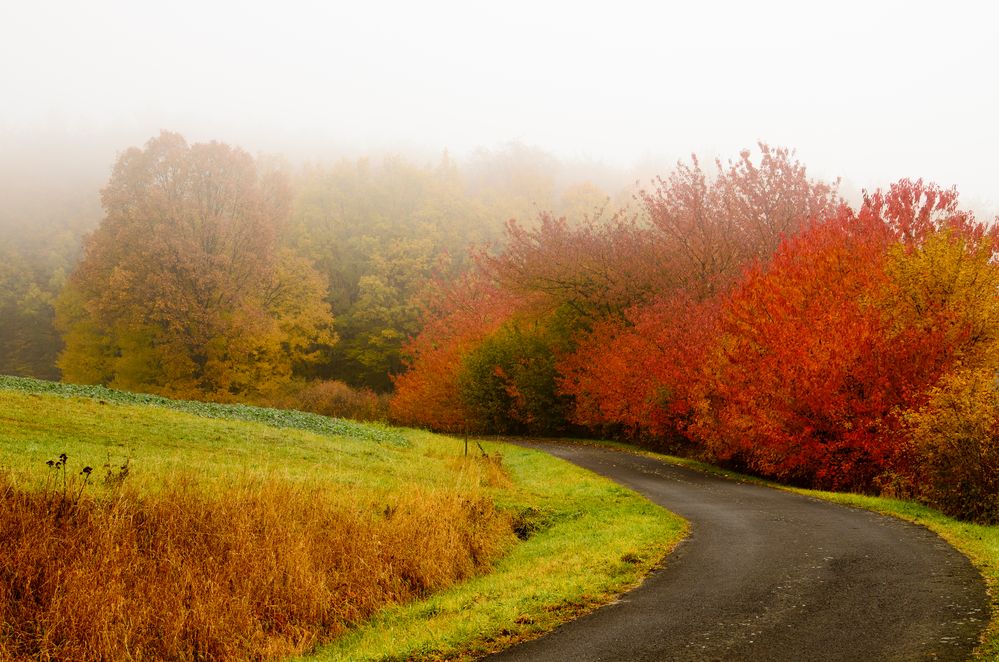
{"x": 339, "y": 400}
{"x": 428, "y": 394}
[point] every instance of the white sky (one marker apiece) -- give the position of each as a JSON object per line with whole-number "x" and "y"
{"x": 872, "y": 90}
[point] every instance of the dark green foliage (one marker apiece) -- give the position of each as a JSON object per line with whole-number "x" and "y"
{"x": 508, "y": 382}
{"x": 29, "y": 284}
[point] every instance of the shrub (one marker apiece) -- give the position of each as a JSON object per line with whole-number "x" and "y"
{"x": 507, "y": 383}
{"x": 339, "y": 400}
{"x": 802, "y": 382}
{"x": 642, "y": 372}
{"x": 956, "y": 441}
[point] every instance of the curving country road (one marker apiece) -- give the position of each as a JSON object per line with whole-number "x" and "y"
{"x": 771, "y": 575}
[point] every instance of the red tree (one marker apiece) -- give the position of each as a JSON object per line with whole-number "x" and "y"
{"x": 460, "y": 316}
{"x": 797, "y": 386}
{"x": 641, "y": 370}
{"x": 711, "y": 228}
{"x": 823, "y": 351}
{"x": 596, "y": 268}
{"x": 643, "y": 373}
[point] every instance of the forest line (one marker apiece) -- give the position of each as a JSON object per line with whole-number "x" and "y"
{"x": 749, "y": 317}
{"x": 741, "y": 311}
{"x": 374, "y": 229}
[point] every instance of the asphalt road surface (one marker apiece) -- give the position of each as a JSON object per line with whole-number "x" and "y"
{"x": 770, "y": 575}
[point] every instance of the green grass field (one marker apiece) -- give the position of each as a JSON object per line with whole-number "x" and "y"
{"x": 586, "y": 539}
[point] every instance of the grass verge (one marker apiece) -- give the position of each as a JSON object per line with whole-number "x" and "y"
{"x": 203, "y": 486}
{"x": 588, "y": 540}
{"x": 979, "y": 543}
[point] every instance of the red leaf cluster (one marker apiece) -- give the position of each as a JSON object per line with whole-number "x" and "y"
{"x": 464, "y": 314}
{"x": 643, "y": 374}
{"x": 754, "y": 315}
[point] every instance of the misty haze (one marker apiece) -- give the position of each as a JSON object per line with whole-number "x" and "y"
{"x": 418, "y": 331}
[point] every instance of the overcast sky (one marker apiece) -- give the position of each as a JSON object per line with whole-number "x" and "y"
{"x": 873, "y": 91}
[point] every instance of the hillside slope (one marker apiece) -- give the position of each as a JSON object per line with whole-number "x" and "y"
{"x": 234, "y": 532}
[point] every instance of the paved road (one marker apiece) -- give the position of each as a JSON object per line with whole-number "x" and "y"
{"x": 770, "y": 575}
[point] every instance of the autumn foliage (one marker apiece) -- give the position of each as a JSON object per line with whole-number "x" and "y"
{"x": 463, "y": 315}
{"x": 804, "y": 377}
{"x": 185, "y": 288}
{"x": 669, "y": 339}
{"x": 709, "y": 228}
{"x": 741, "y": 311}
{"x": 754, "y": 318}
{"x": 956, "y": 435}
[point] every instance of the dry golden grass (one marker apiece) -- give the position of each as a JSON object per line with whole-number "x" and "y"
{"x": 489, "y": 468}
{"x": 333, "y": 398}
{"x": 260, "y": 569}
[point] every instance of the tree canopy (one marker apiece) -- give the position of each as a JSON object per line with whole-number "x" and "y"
{"x": 184, "y": 288}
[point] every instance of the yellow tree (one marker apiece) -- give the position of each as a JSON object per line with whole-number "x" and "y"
{"x": 184, "y": 289}
{"x": 945, "y": 292}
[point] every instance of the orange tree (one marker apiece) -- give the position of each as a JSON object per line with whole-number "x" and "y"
{"x": 184, "y": 288}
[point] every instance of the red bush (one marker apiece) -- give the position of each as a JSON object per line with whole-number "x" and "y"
{"x": 643, "y": 373}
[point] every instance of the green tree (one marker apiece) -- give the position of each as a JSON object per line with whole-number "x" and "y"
{"x": 379, "y": 233}
{"x": 387, "y": 311}
{"x": 508, "y": 382}
{"x": 28, "y": 340}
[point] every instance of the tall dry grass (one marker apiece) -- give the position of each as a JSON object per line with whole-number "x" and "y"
{"x": 334, "y": 398}
{"x": 255, "y": 571}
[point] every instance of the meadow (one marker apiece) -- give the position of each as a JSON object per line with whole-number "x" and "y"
{"x": 136, "y": 527}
